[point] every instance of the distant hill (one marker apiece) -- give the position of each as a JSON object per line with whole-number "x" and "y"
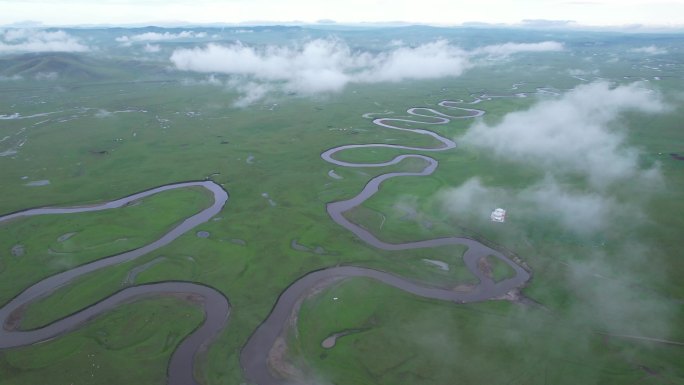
{"x": 74, "y": 67}
{"x": 65, "y": 65}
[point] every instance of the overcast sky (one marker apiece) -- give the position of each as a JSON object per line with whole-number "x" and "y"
{"x": 449, "y": 12}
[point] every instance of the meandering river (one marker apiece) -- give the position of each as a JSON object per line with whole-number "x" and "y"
{"x": 254, "y": 355}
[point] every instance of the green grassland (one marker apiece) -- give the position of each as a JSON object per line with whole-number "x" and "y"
{"x": 93, "y": 236}
{"x": 184, "y": 132}
{"x": 493, "y": 342}
{"x": 97, "y": 353}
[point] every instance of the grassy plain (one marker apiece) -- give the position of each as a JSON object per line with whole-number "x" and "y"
{"x": 493, "y": 342}
{"x": 183, "y": 132}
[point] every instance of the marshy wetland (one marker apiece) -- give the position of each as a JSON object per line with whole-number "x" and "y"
{"x": 167, "y": 222}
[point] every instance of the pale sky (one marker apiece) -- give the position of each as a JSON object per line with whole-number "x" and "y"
{"x": 668, "y": 13}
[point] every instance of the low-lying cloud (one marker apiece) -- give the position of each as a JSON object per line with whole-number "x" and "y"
{"x": 581, "y": 72}
{"x": 650, "y": 50}
{"x": 27, "y": 40}
{"x": 152, "y": 48}
{"x": 328, "y": 65}
{"x": 156, "y": 36}
{"x": 12, "y": 78}
{"x": 580, "y": 212}
{"x": 324, "y": 65}
{"x": 508, "y": 49}
{"x": 428, "y": 61}
{"x": 611, "y": 296}
{"x": 578, "y": 133}
{"x": 46, "y": 76}
{"x": 250, "y": 92}
{"x": 575, "y": 140}
{"x": 590, "y": 193}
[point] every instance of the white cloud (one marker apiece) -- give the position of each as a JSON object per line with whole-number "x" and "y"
{"x": 473, "y": 196}
{"x": 318, "y": 66}
{"x": 46, "y": 76}
{"x": 10, "y": 78}
{"x": 102, "y": 113}
{"x": 581, "y": 72}
{"x": 508, "y": 49}
{"x": 250, "y": 91}
{"x": 650, "y": 50}
{"x": 581, "y": 212}
{"x": 612, "y": 294}
{"x": 428, "y": 61}
{"x": 210, "y": 80}
{"x": 152, "y": 48}
{"x": 156, "y": 36}
{"x": 28, "y": 40}
{"x": 326, "y": 65}
{"x": 576, "y": 134}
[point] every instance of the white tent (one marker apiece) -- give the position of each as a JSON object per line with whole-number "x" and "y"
{"x": 498, "y": 215}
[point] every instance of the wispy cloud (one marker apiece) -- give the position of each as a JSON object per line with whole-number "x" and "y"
{"x": 580, "y": 212}
{"x": 650, "y": 50}
{"x": 573, "y": 134}
{"x": 152, "y": 48}
{"x": 46, "y": 76}
{"x": 250, "y": 92}
{"x": 28, "y": 40}
{"x": 156, "y": 36}
{"x": 611, "y": 298}
{"x": 323, "y": 65}
{"x": 508, "y": 49}
{"x": 581, "y": 72}
{"x": 574, "y": 138}
{"x": 328, "y": 65}
{"x": 546, "y": 23}
{"x": 210, "y": 80}
{"x": 10, "y": 78}
{"x": 428, "y": 61}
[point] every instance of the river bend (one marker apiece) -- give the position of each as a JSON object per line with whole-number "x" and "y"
{"x": 254, "y": 355}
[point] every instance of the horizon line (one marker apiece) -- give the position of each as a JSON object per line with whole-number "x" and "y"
{"x": 564, "y": 25}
